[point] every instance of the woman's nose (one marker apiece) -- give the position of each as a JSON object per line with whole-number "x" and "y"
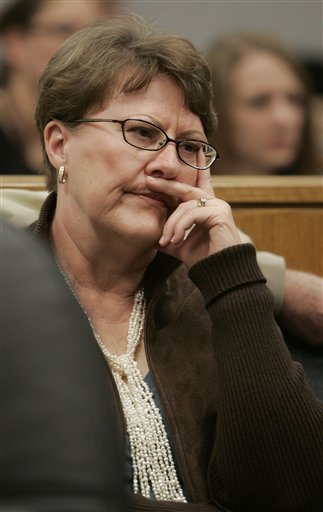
{"x": 285, "y": 113}
{"x": 164, "y": 162}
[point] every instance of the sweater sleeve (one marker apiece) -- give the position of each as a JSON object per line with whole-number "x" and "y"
{"x": 274, "y": 269}
{"x": 268, "y": 448}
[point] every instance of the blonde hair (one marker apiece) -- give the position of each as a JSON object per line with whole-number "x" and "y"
{"x": 116, "y": 56}
{"x": 222, "y": 57}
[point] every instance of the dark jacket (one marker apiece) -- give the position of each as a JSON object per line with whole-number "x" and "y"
{"x": 53, "y": 399}
{"x": 246, "y": 427}
{"x": 12, "y": 158}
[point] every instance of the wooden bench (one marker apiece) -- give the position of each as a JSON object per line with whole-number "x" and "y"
{"x": 282, "y": 214}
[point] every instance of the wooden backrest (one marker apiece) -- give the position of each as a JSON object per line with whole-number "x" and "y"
{"x": 282, "y": 214}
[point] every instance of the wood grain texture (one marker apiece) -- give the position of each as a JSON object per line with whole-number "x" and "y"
{"x": 269, "y": 190}
{"x": 24, "y": 181}
{"x": 295, "y": 233}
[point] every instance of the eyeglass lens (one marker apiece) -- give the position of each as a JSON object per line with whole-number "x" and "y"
{"x": 144, "y": 135}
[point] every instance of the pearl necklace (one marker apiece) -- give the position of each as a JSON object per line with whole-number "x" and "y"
{"x": 154, "y": 471}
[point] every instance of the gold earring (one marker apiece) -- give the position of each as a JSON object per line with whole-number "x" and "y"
{"x": 62, "y": 176}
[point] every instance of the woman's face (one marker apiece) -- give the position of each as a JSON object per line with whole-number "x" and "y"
{"x": 106, "y": 187}
{"x": 265, "y": 113}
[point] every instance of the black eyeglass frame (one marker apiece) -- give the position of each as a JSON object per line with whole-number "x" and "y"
{"x": 168, "y": 139}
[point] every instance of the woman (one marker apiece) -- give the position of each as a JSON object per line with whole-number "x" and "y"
{"x": 262, "y": 96}
{"x": 209, "y": 398}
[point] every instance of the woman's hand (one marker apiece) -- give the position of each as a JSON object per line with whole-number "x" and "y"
{"x": 212, "y": 226}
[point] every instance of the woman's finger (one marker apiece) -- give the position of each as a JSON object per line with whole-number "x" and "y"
{"x": 191, "y": 213}
{"x": 175, "y": 189}
{"x": 204, "y": 182}
{"x": 180, "y": 220}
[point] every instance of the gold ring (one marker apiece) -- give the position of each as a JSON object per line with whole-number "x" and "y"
{"x": 201, "y": 202}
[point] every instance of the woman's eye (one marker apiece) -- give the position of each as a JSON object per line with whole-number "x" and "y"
{"x": 297, "y": 99}
{"x": 190, "y": 147}
{"x": 143, "y": 132}
{"x": 259, "y": 101}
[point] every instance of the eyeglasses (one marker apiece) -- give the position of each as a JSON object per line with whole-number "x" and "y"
{"x": 145, "y": 135}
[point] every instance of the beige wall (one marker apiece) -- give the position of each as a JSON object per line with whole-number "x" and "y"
{"x": 298, "y": 22}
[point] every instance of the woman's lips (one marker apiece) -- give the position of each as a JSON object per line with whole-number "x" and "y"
{"x": 281, "y": 144}
{"x": 156, "y": 199}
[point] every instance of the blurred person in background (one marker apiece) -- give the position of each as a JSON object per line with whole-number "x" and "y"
{"x": 263, "y": 99}
{"x": 314, "y": 66}
{"x": 31, "y": 32}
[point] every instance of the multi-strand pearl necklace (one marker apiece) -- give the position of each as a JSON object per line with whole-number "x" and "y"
{"x": 153, "y": 465}
{"x": 154, "y": 472}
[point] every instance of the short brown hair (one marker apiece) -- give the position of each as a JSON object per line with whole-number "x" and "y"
{"x": 222, "y": 57}
{"x": 116, "y": 56}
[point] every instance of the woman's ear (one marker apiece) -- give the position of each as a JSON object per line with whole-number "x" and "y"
{"x": 55, "y": 137}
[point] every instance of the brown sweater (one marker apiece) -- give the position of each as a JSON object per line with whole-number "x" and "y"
{"x": 247, "y": 430}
